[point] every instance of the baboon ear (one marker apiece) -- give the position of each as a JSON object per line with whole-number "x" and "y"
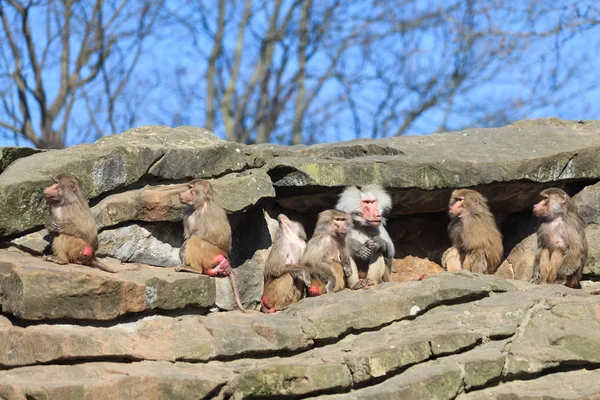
{"x": 564, "y": 199}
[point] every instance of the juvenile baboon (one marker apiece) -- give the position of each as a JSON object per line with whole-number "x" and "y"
{"x": 476, "y": 240}
{"x": 207, "y": 235}
{"x": 562, "y": 245}
{"x": 369, "y": 244}
{"x": 326, "y": 252}
{"x": 285, "y": 279}
{"x": 73, "y": 230}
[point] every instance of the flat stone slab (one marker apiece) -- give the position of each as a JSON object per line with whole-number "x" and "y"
{"x": 560, "y": 386}
{"x": 234, "y": 334}
{"x": 446, "y": 336}
{"x": 143, "y": 380}
{"x": 419, "y": 171}
{"x": 33, "y": 289}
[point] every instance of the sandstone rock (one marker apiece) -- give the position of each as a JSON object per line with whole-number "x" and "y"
{"x": 334, "y": 314}
{"x": 33, "y": 289}
{"x": 187, "y": 338}
{"x": 116, "y": 162}
{"x": 225, "y": 335}
{"x": 142, "y": 380}
{"x": 590, "y": 286}
{"x": 519, "y": 263}
{"x": 250, "y": 281}
{"x": 149, "y": 204}
{"x": 449, "y": 335}
{"x": 8, "y": 155}
{"x": 238, "y": 191}
{"x": 409, "y": 268}
{"x": 571, "y": 334}
{"x": 33, "y": 243}
{"x": 234, "y": 192}
{"x": 288, "y": 379}
{"x": 149, "y": 244}
{"x": 462, "y": 332}
{"x": 440, "y": 379}
{"x": 433, "y": 165}
{"x": 562, "y": 385}
{"x": 592, "y": 265}
{"x": 587, "y": 203}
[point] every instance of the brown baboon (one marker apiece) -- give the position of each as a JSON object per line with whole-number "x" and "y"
{"x": 562, "y": 246}
{"x": 285, "y": 279}
{"x": 73, "y": 231}
{"x": 207, "y": 235}
{"x": 476, "y": 240}
{"x": 326, "y": 251}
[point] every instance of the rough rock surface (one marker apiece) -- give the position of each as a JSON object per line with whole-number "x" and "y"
{"x": 408, "y": 268}
{"x": 133, "y": 180}
{"x": 73, "y": 332}
{"x": 150, "y": 244}
{"x": 8, "y": 155}
{"x": 33, "y": 289}
{"x": 435, "y": 163}
{"x": 448, "y": 336}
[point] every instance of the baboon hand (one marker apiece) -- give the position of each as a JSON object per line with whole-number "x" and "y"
{"x": 536, "y": 277}
{"x": 347, "y": 268}
{"x": 55, "y": 226}
{"x": 365, "y": 251}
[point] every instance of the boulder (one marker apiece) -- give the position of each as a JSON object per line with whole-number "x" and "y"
{"x": 519, "y": 263}
{"x": 409, "y": 268}
{"x": 449, "y": 335}
{"x": 423, "y": 170}
{"x": 587, "y": 203}
{"x": 74, "y": 332}
{"x": 142, "y": 380}
{"x": 420, "y": 171}
{"x": 33, "y": 289}
{"x": 149, "y": 244}
{"x": 149, "y": 204}
{"x": 234, "y": 192}
{"x": 116, "y": 162}
{"x": 8, "y": 155}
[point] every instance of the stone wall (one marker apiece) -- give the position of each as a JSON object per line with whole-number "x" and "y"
{"x": 72, "y": 332}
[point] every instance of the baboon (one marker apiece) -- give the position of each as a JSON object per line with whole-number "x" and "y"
{"x": 369, "y": 244}
{"x": 326, "y": 251}
{"x": 207, "y": 235}
{"x": 73, "y": 230}
{"x": 476, "y": 240}
{"x": 285, "y": 279}
{"x": 562, "y": 245}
